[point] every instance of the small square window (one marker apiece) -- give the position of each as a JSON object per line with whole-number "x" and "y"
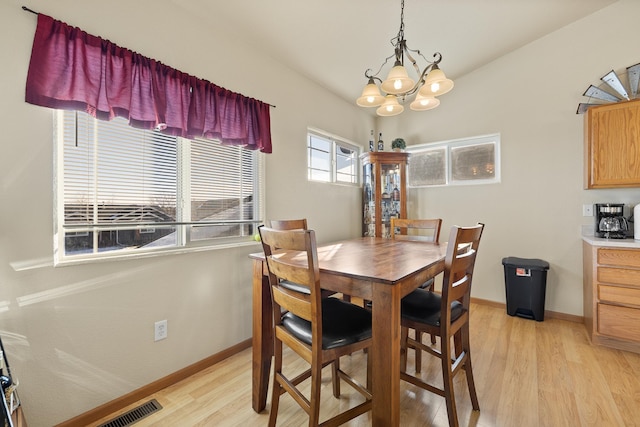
{"x": 331, "y": 159}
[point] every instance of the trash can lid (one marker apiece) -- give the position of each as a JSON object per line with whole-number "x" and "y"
{"x": 530, "y": 264}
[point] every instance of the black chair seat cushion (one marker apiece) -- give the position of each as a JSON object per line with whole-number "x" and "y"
{"x": 342, "y": 323}
{"x": 424, "y": 307}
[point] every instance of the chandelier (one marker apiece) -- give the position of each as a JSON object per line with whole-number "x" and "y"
{"x": 398, "y": 86}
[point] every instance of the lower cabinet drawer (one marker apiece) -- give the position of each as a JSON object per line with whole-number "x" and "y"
{"x": 618, "y": 294}
{"x": 619, "y": 257}
{"x": 619, "y": 322}
{"x": 622, "y": 276}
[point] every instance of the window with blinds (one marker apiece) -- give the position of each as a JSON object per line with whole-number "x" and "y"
{"x": 122, "y": 190}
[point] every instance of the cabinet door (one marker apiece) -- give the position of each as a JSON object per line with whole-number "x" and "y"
{"x": 369, "y": 201}
{"x": 384, "y": 191}
{"x": 619, "y": 322}
{"x": 392, "y": 193}
{"x": 612, "y": 138}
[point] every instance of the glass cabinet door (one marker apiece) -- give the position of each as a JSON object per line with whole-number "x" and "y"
{"x": 369, "y": 202}
{"x": 383, "y": 194}
{"x": 390, "y": 201}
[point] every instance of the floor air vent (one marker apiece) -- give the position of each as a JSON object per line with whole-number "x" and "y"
{"x": 134, "y": 415}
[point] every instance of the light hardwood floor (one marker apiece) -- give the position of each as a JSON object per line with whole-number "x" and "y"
{"x": 527, "y": 373}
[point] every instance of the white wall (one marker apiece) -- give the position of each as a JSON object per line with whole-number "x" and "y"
{"x": 80, "y": 336}
{"x": 530, "y": 97}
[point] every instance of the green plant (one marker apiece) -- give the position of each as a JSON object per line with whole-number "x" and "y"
{"x": 398, "y": 143}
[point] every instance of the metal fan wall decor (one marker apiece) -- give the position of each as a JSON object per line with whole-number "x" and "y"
{"x": 620, "y": 88}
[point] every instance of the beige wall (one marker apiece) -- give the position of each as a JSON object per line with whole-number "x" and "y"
{"x": 80, "y": 336}
{"x": 83, "y": 335}
{"x": 530, "y": 97}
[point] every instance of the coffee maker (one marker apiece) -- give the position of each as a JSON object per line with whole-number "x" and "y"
{"x": 610, "y": 222}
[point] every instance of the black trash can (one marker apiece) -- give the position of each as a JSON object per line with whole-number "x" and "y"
{"x": 526, "y": 285}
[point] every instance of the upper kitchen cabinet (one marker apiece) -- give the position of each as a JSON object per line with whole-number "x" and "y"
{"x": 612, "y": 145}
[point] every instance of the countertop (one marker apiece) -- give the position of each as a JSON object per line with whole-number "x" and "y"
{"x": 611, "y": 243}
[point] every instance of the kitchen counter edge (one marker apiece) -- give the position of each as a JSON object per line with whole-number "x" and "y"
{"x": 611, "y": 243}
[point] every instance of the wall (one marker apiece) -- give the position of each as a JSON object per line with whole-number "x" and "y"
{"x": 80, "y": 336}
{"x": 530, "y": 97}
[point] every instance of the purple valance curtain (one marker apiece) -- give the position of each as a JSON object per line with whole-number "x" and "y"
{"x": 71, "y": 69}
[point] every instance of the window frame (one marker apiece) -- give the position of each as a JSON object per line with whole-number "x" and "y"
{"x": 183, "y": 241}
{"x": 448, "y": 147}
{"x": 336, "y": 142}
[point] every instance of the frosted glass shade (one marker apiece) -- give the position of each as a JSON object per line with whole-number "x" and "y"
{"x": 422, "y": 103}
{"x": 436, "y": 83}
{"x": 371, "y": 96}
{"x": 398, "y": 80}
{"x": 390, "y": 107}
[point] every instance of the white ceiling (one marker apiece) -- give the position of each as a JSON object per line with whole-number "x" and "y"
{"x": 333, "y": 42}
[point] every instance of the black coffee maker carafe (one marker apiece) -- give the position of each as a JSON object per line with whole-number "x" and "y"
{"x": 610, "y": 222}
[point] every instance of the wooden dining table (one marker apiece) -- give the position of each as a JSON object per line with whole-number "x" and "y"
{"x": 372, "y": 268}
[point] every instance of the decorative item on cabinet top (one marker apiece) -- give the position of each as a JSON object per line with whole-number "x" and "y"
{"x": 624, "y": 86}
{"x": 398, "y": 144}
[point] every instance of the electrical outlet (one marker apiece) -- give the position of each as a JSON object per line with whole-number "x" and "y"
{"x": 160, "y": 330}
{"x": 587, "y": 210}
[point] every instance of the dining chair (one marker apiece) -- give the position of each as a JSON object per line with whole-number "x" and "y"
{"x": 320, "y": 330}
{"x": 445, "y": 315}
{"x": 419, "y": 230}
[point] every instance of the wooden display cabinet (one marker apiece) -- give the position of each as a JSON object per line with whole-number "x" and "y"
{"x": 384, "y": 193}
{"x": 612, "y": 145}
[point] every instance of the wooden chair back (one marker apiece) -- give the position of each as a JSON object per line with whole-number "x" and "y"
{"x": 424, "y": 230}
{"x": 292, "y": 255}
{"x": 288, "y": 224}
{"x": 462, "y": 249}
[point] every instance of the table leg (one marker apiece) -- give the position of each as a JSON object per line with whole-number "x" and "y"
{"x": 262, "y": 337}
{"x": 385, "y": 352}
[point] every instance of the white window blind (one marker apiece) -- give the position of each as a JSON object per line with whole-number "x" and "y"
{"x": 127, "y": 190}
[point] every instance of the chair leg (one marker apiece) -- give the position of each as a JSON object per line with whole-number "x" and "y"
{"x": 335, "y": 378}
{"x": 314, "y": 398}
{"x": 369, "y": 372}
{"x": 418, "y": 352}
{"x": 468, "y": 369}
{"x": 447, "y": 380}
{"x": 277, "y": 388}
{"x": 404, "y": 348}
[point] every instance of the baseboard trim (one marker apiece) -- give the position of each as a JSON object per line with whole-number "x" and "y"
{"x": 547, "y": 314}
{"x": 122, "y": 402}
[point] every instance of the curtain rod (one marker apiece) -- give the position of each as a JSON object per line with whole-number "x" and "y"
{"x": 26, "y": 9}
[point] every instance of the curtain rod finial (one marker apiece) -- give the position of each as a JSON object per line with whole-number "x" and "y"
{"x": 25, "y": 8}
